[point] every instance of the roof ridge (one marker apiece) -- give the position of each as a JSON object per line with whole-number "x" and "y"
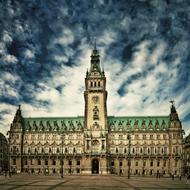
{"x": 64, "y": 117}
{"x": 140, "y": 116}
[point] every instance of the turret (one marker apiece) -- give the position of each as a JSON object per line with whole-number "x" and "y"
{"x": 174, "y": 119}
{"x": 17, "y": 124}
{"x": 16, "y": 142}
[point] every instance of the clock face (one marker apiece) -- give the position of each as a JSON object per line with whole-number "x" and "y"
{"x": 95, "y": 99}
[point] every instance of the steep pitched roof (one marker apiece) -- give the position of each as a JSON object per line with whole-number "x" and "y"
{"x": 54, "y": 123}
{"x": 138, "y": 122}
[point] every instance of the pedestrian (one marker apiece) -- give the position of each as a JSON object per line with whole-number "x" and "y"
{"x": 9, "y": 174}
{"x": 172, "y": 176}
{"x": 188, "y": 178}
{"x": 5, "y": 173}
{"x": 180, "y": 177}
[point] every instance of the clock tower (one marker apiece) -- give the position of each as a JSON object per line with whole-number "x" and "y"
{"x": 96, "y": 128}
{"x": 95, "y": 95}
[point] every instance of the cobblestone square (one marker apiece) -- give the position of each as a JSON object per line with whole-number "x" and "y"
{"x": 92, "y": 182}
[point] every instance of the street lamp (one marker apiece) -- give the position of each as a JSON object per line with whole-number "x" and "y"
{"x": 62, "y": 137}
{"x": 129, "y": 155}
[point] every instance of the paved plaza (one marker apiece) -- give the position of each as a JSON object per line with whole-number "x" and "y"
{"x": 90, "y": 183}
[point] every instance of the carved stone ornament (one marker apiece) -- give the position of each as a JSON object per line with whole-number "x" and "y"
{"x": 95, "y": 99}
{"x": 96, "y": 126}
{"x": 95, "y": 143}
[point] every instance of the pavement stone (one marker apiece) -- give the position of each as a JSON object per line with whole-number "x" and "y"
{"x": 91, "y": 182}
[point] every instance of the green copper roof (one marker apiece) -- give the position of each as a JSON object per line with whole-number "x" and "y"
{"x": 54, "y": 123}
{"x": 141, "y": 122}
{"x": 114, "y": 123}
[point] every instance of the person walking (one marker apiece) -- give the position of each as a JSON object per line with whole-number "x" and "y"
{"x": 188, "y": 178}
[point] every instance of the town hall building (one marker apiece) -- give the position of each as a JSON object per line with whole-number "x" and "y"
{"x": 96, "y": 143}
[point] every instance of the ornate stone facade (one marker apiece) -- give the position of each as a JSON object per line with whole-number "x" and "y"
{"x": 97, "y": 143}
{"x": 3, "y": 153}
{"x": 187, "y": 155}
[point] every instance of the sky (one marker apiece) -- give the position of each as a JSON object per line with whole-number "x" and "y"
{"x": 45, "y": 49}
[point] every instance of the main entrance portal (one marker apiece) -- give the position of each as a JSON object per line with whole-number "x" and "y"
{"x": 95, "y": 166}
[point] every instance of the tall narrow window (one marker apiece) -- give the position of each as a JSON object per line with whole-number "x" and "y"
{"x": 70, "y": 162}
{"x": 46, "y": 162}
{"x": 78, "y": 162}
{"x": 14, "y": 161}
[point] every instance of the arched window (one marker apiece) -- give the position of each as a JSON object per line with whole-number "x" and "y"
{"x": 95, "y": 83}
{"x": 91, "y": 84}
{"x": 98, "y": 83}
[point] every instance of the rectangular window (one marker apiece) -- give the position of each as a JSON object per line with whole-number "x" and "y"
{"x": 158, "y": 163}
{"x": 158, "y": 137}
{"x": 144, "y": 137}
{"x": 54, "y": 162}
{"x": 14, "y": 161}
{"x": 78, "y": 162}
{"x": 46, "y": 162}
{"x": 144, "y": 162}
{"x": 151, "y": 163}
{"x": 39, "y": 162}
{"x": 164, "y": 163}
{"x": 136, "y": 163}
{"x": 120, "y": 163}
{"x": 70, "y": 162}
{"x": 151, "y": 137}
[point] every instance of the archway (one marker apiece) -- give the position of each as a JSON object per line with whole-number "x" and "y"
{"x": 95, "y": 166}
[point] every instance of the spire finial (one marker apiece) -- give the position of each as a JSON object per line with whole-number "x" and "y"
{"x": 172, "y": 102}
{"x": 94, "y": 43}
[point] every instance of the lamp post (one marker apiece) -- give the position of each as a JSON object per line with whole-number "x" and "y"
{"x": 62, "y": 137}
{"x": 129, "y": 155}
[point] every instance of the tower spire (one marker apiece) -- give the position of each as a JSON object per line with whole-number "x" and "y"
{"x": 94, "y": 43}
